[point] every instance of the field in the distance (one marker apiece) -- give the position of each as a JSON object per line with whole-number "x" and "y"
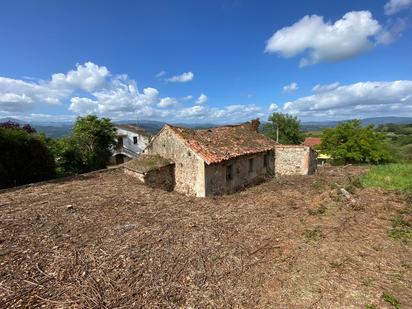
{"x": 105, "y": 241}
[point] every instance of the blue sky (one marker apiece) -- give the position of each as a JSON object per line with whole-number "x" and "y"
{"x": 205, "y": 61}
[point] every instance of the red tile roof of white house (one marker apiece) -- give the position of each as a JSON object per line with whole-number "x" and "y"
{"x": 312, "y": 141}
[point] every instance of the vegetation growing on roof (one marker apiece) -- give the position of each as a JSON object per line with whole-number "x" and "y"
{"x": 145, "y": 163}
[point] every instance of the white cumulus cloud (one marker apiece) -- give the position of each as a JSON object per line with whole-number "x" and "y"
{"x": 363, "y": 99}
{"x": 160, "y": 74}
{"x": 167, "y": 102}
{"x": 273, "y": 107}
{"x": 324, "y": 88}
{"x": 393, "y": 30}
{"x": 225, "y": 114}
{"x": 182, "y": 78}
{"x": 88, "y": 77}
{"x": 349, "y": 36}
{"x": 395, "y": 6}
{"x": 15, "y": 93}
{"x": 202, "y": 99}
{"x": 187, "y": 98}
{"x": 93, "y": 89}
{"x": 292, "y": 87}
{"x": 83, "y": 105}
{"x": 20, "y": 95}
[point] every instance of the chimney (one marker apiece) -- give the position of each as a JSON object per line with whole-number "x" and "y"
{"x": 255, "y": 123}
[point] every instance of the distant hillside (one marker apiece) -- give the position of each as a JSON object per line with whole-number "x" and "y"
{"x": 153, "y": 126}
{"x": 319, "y": 125}
{"x": 54, "y": 131}
{"x": 7, "y": 119}
{"x": 60, "y": 129}
{"x": 385, "y": 120}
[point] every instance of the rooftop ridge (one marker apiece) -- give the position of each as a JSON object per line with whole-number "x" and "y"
{"x": 132, "y": 128}
{"x": 223, "y": 143}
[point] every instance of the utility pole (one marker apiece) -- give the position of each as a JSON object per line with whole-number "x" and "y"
{"x": 277, "y": 133}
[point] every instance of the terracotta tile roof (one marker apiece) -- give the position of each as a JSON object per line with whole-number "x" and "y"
{"x": 132, "y": 128}
{"x": 312, "y": 141}
{"x": 224, "y": 143}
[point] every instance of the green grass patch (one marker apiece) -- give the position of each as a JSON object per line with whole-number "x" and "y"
{"x": 394, "y": 177}
{"x": 390, "y": 177}
{"x": 401, "y": 229}
{"x": 317, "y": 211}
{"x": 403, "y": 234}
{"x": 391, "y": 300}
{"x": 313, "y": 235}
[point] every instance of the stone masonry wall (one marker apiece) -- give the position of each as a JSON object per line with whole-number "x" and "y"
{"x": 161, "y": 178}
{"x": 295, "y": 160}
{"x": 189, "y": 167}
{"x": 217, "y": 182}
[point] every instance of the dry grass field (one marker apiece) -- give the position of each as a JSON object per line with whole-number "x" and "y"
{"x": 105, "y": 241}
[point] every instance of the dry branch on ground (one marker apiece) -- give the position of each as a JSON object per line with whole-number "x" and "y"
{"x": 121, "y": 244}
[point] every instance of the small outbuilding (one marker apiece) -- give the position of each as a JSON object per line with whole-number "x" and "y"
{"x": 215, "y": 161}
{"x": 295, "y": 160}
{"x": 152, "y": 170}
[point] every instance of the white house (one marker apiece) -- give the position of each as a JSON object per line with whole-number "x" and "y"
{"x": 131, "y": 141}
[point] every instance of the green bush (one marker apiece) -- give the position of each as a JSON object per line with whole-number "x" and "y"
{"x": 25, "y": 158}
{"x": 349, "y": 142}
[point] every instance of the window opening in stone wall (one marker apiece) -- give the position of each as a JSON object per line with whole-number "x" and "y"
{"x": 251, "y": 162}
{"x": 229, "y": 172}
{"x": 265, "y": 160}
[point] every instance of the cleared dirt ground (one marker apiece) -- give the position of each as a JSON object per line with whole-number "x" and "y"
{"x": 105, "y": 241}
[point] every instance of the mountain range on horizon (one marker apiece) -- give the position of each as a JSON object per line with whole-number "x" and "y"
{"x": 60, "y": 129}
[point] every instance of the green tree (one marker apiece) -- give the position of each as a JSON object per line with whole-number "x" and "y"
{"x": 69, "y": 160}
{"x": 351, "y": 143}
{"x": 93, "y": 138}
{"x": 25, "y": 157}
{"x": 286, "y": 126}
